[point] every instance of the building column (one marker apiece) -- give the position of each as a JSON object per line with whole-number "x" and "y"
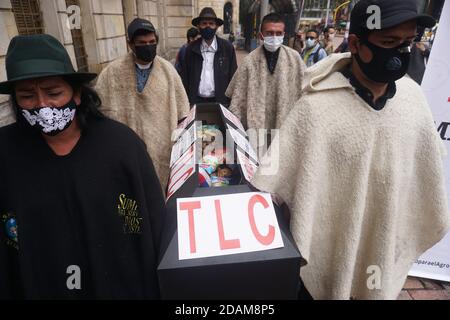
{"x": 8, "y": 30}
{"x": 103, "y": 31}
{"x": 56, "y": 23}
{"x": 129, "y": 11}
{"x": 89, "y": 36}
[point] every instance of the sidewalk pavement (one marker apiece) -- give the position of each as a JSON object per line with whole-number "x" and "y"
{"x": 425, "y": 289}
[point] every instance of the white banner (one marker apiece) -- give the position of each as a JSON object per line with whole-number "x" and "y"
{"x": 242, "y": 142}
{"x": 226, "y": 224}
{"x": 247, "y": 165}
{"x": 186, "y": 139}
{"x": 435, "y": 263}
{"x": 230, "y": 116}
{"x": 181, "y": 171}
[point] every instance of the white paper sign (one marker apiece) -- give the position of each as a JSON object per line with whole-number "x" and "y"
{"x": 184, "y": 142}
{"x": 185, "y": 123}
{"x": 230, "y": 116}
{"x": 435, "y": 263}
{"x": 248, "y": 166}
{"x": 242, "y": 142}
{"x": 226, "y": 224}
{"x": 182, "y": 170}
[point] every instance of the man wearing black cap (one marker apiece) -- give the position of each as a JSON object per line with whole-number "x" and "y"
{"x": 145, "y": 92}
{"x": 360, "y": 162}
{"x": 210, "y": 62}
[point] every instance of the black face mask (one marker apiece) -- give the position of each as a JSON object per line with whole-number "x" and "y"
{"x": 207, "y": 33}
{"x": 387, "y": 65}
{"x": 146, "y": 53}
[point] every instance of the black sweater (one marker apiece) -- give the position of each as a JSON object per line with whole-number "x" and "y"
{"x": 100, "y": 209}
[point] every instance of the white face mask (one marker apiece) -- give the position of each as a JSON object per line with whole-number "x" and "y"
{"x": 310, "y": 43}
{"x": 273, "y": 43}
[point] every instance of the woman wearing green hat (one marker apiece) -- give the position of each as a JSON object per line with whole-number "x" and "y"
{"x": 80, "y": 204}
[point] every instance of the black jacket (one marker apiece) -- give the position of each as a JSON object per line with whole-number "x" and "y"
{"x": 224, "y": 68}
{"x": 99, "y": 208}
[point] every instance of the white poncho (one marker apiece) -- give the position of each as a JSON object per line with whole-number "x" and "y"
{"x": 154, "y": 113}
{"x": 365, "y": 187}
{"x": 262, "y": 100}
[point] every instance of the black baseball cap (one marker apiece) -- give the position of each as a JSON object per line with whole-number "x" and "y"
{"x": 139, "y": 24}
{"x": 393, "y": 13}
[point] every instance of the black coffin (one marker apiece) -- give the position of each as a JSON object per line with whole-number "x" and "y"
{"x": 269, "y": 274}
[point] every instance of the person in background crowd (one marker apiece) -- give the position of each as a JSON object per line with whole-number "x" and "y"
{"x": 210, "y": 62}
{"x": 145, "y": 92}
{"x": 420, "y": 52}
{"x": 313, "y": 52}
{"x": 343, "y": 47}
{"x": 360, "y": 163}
{"x": 297, "y": 42}
{"x": 81, "y": 208}
{"x": 231, "y": 37}
{"x": 191, "y": 35}
{"x": 327, "y": 43}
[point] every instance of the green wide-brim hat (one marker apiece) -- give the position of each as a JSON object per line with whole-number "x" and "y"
{"x": 37, "y": 56}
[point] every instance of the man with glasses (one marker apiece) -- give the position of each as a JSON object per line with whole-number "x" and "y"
{"x": 313, "y": 51}
{"x": 145, "y": 92}
{"x": 361, "y": 162}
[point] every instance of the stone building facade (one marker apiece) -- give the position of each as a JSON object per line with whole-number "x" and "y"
{"x": 94, "y": 31}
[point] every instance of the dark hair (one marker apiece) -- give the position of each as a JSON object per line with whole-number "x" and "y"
{"x": 327, "y": 29}
{"x": 313, "y": 30}
{"x": 192, "y": 33}
{"x": 143, "y": 32}
{"x": 86, "y": 111}
{"x": 272, "y": 18}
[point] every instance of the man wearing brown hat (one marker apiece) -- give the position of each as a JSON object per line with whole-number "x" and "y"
{"x": 210, "y": 62}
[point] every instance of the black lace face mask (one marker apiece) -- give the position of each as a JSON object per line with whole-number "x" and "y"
{"x": 50, "y": 120}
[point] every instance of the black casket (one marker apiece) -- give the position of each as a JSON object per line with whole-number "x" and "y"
{"x": 267, "y": 274}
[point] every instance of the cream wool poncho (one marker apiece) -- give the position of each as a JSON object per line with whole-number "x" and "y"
{"x": 6, "y": 115}
{"x": 365, "y": 187}
{"x": 260, "y": 99}
{"x": 152, "y": 114}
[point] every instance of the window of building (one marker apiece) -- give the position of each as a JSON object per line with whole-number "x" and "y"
{"x": 28, "y": 16}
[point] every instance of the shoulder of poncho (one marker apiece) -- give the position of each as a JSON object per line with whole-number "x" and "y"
{"x": 321, "y": 104}
{"x": 166, "y": 69}
{"x": 414, "y": 97}
{"x": 252, "y": 58}
{"x": 409, "y": 85}
{"x": 166, "y": 65}
{"x": 257, "y": 56}
{"x": 118, "y": 64}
